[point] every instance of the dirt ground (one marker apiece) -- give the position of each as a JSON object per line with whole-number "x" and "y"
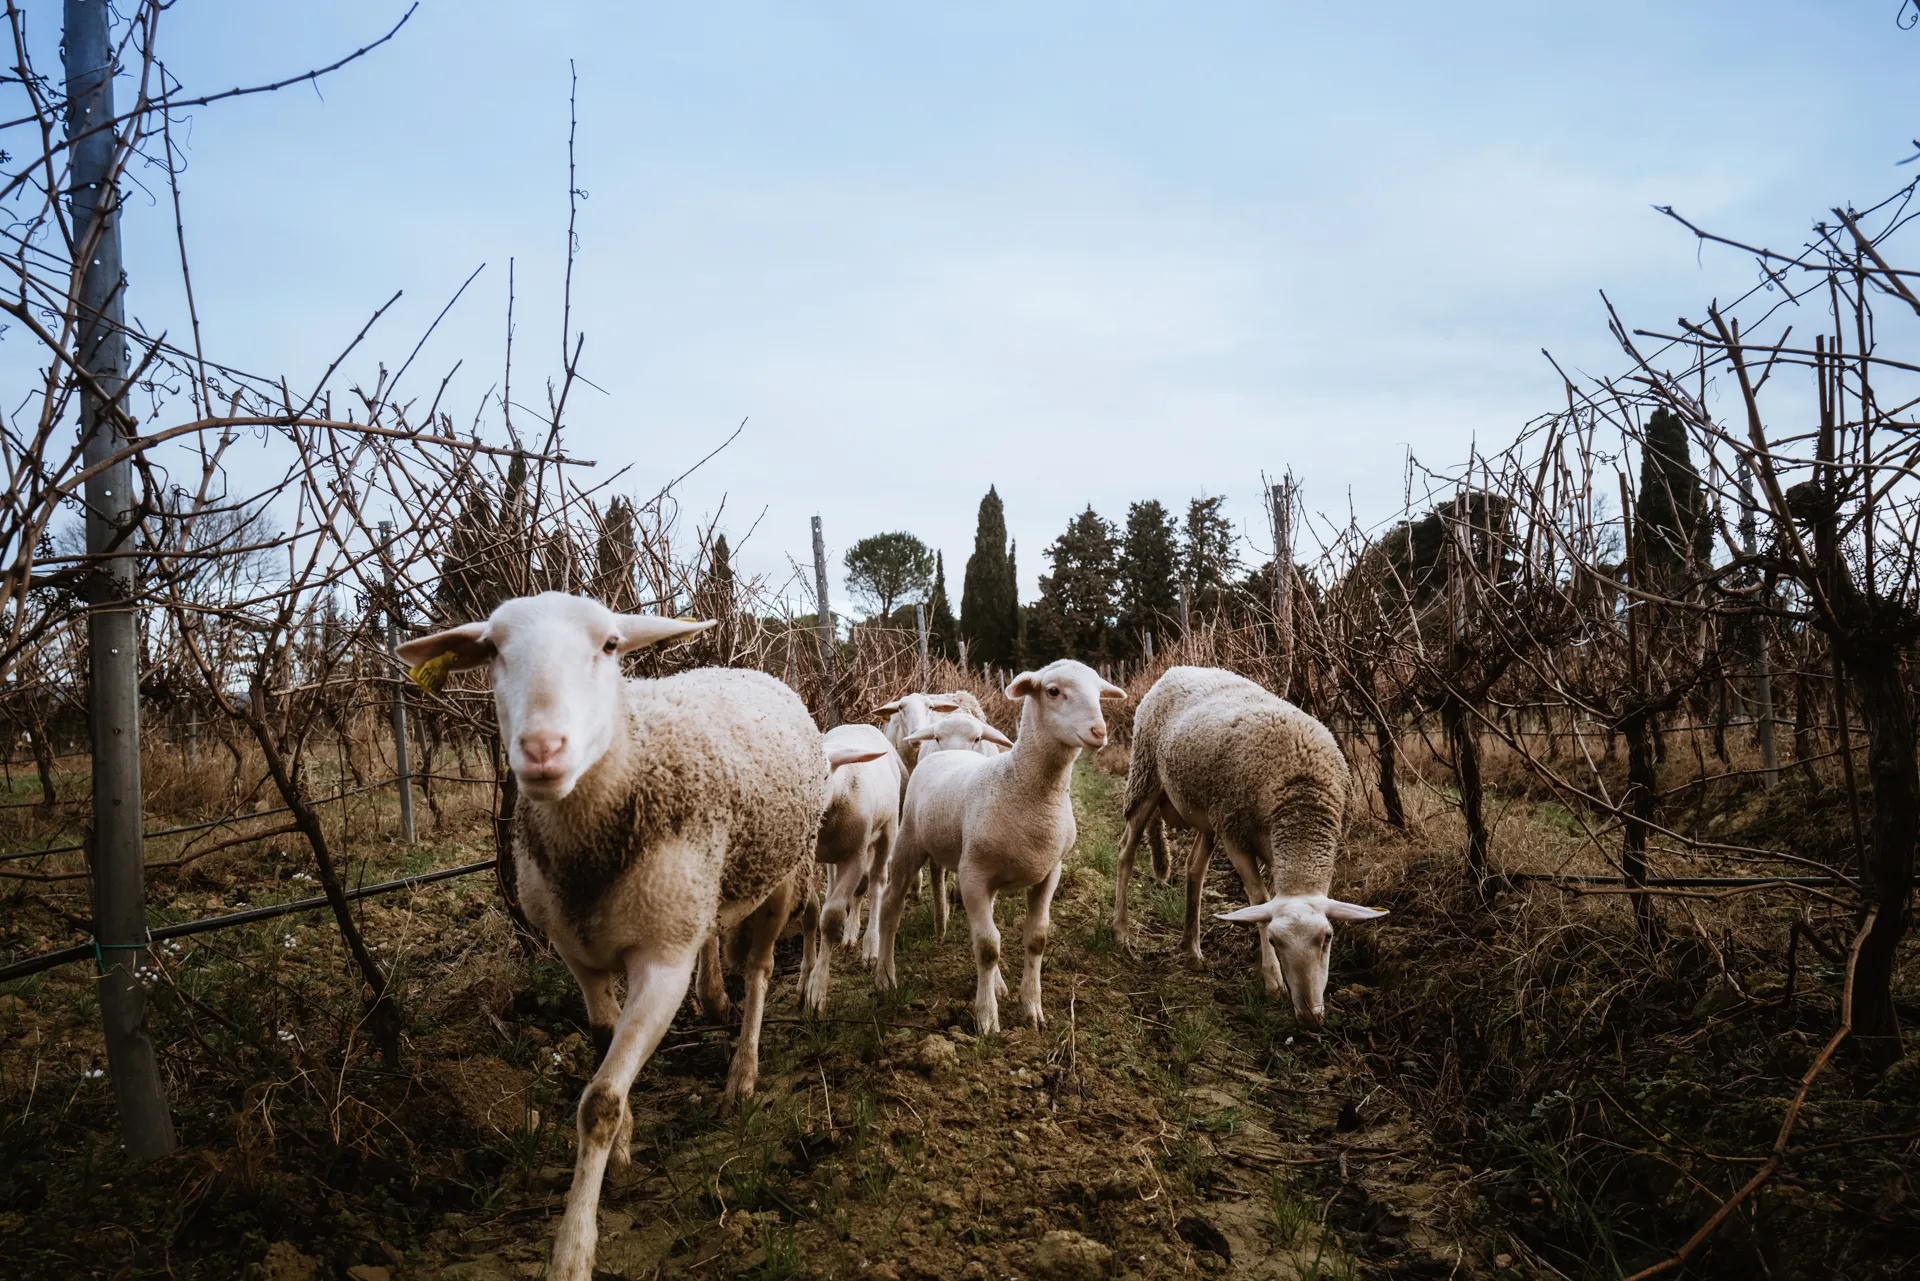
{"x": 1165, "y": 1122}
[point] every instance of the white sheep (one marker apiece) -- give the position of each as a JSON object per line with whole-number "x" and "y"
{"x": 907, "y": 715}
{"x": 1246, "y": 769}
{"x": 653, "y": 815}
{"x": 856, "y": 837}
{"x": 1001, "y": 823}
{"x": 954, "y": 732}
{"x": 960, "y": 732}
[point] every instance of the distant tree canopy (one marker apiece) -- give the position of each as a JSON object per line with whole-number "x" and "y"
{"x": 1670, "y": 527}
{"x": 990, "y": 596}
{"x": 885, "y": 569}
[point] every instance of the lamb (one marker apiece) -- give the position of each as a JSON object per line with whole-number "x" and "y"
{"x": 856, "y": 837}
{"x": 1217, "y": 753}
{"x": 960, "y": 732}
{"x": 653, "y": 815}
{"x": 909, "y": 714}
{"x": 954, "y": 732}
{"x": 1002, "y": 823}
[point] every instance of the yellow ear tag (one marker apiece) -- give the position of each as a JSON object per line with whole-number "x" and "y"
{"x": 432, "y": 675}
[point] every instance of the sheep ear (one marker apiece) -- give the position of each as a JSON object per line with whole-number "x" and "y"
{"x": 468, "y": 644}
{"x": 1256, "y": 914}
{"x": 942, "y": 705}
{"x": 1337, "y": 911}
{"x": 842, "y": 755}
{"x": 993, "y": 735}
{"x": 1109, "y": 690}
{"x": 887, "y": 709}
{"x": 923, "y": 734}
{"x": 1024, "y": 684}
{"x": 637, "y": 631}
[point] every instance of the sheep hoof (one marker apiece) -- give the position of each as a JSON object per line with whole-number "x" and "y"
{"x": 999, "y": 984}
{"x": 735, "y": 1095}
{"x": 1193, "y": 960}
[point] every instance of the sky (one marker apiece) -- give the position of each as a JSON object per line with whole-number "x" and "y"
{"x": 1084, "y": 253}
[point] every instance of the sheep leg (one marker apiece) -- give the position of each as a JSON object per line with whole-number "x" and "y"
{"x": 841, "y": 917}
{"x": 1137, "y": 822}
{"x": 762, "y": 928}
{"x": 815, "y": 949}
{"x": 655, "y": 987}
{"x": 1157, "y": 839}
{"x": 978, "y": 900}
{"x": 1249, "y": 871}
{"x": 1039, "y": 921}
{"x": 712, "y": 986}
{"x": 942, "y": 905}
{"x": 1197, "y": 864}
{"x": 877, "y": 866}
{"x": 903, "y": 869}
{"x": 603, "y": 1008}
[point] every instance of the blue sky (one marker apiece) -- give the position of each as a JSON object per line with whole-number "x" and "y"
{"x": 1088, "y": 253}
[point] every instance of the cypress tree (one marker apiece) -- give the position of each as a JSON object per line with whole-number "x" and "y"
{"x": 940, "y": 624}
{"x": 614, "y": 558}
{"x": 1670, "y": 524}
{"x": 1016, "y": 617}
{"x": 719, "y": 584}
{"x": 986, "y": 613}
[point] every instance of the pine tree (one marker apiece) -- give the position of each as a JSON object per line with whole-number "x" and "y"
{"x": 1075, "y": 615}
{"x": 1207, "y": 559}
{"x": 987, "y": 605}
{"x": 1148, "y": 578}
{"x": 941, "y": 627}
{"x": 1670, "y": 523}
{"x": 885, "y": 568}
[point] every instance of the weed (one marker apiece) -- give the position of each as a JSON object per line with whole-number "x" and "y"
{"x": 783, "y": 1253}
{"x": 1290, "y": 1213}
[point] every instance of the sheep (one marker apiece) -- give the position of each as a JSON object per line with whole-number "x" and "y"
{"x": 1217, "y": 753}
{"x": 954, "y": 732}
{"x": 1001, "y": 823}
{"x": 960, "y": 732}
{"x": 910, "y": 713}
{"x": 653, "y": 815}
{"x": 856, "y": 837}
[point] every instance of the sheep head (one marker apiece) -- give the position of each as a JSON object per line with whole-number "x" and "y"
{"x": 1300, "y": 927}
{"x": 1065, "y": 697}
{"x": 957, "y": 732}
{"x": 555, "y": 661}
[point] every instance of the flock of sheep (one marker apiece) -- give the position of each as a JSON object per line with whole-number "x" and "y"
{"x": 659, "y": 818}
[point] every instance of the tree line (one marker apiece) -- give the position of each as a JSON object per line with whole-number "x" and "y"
{"x": 1110, "y": 590}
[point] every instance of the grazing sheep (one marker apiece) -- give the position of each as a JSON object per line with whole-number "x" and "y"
{"x": 856, "y": 837}
{"x": 1001, "y": 823}
{"x": 1217, "y": 753}
{"x": 653, "y": 816}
